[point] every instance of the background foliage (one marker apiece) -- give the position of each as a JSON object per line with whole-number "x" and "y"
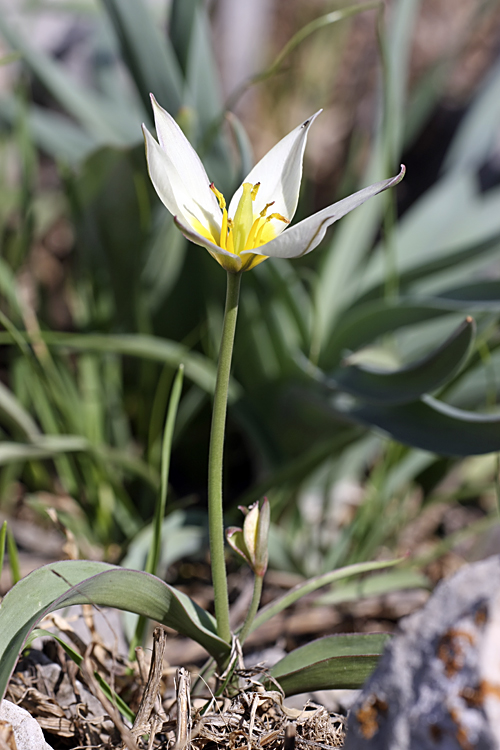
{"x": 102, "y": 298}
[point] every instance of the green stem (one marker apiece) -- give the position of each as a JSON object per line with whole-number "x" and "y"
{"x": 215, "y": 458}
{"x": 254, "y": 606}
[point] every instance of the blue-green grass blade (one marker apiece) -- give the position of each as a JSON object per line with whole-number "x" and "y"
{"x": 313, "y": 584}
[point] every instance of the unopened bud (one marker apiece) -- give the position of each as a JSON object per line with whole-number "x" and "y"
{"x": 251, "y": 541}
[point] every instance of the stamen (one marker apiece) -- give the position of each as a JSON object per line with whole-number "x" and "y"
{"x": 223, "y": 229}
{"x": 258, "y": 238}
{"x": 251, "y": 235}
{"x": 255, "y": 190}
{"x": 218, "y": 195}
{"x": 264, "y": 210}
{"x": 279, "y": 217}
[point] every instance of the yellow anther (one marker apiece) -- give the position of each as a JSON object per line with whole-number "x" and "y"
{"x": 218, "y": 195}
{"x": 255, "y": 190}
{"x": 264, "y": 210}
{"x": 279, "y": 217}
{"x": 257, "y": 238}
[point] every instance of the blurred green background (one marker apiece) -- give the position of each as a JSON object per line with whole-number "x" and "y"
{"x": 102, "y": 298}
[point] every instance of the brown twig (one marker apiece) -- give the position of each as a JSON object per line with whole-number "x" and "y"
{"x": 152, "y": 689}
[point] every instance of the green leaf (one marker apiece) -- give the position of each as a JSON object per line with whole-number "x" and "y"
{"x": 338, "y": 279}
{"x": 278, "y": 605}
{"x": 432, "y": 425}
{"x": 15, "y": 566}
{"x": 71, "y": 582}
{"x": 450, "y": 224}
{"x": 182, "y": 15}
{"x": 147, "y": 53}
{"x": 52, "y": 132}
{"x": 477, "y": 132}
{"x": 364, "y": 323}
{"x": 3, "y": 534}
{"x": 376, "y": 585}
{"x": 413, "y": 380}
{"x": 331, "y": 663}
{"x": 198, "y": 368}
{"x": 93, "y": 112}
{"x": 46, "y": 446}
{"x": 484, "y": 294}
{"x": 16, "y": 414}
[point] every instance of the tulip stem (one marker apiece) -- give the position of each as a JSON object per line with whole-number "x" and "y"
{"x": 215, "y": 459}
{"x": 254, "y": 606}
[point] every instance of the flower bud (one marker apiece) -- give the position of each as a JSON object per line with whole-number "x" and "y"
{"x": 251, "y": 541}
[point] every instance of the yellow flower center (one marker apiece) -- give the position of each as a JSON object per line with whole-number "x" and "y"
{"x": 246, "y": 231}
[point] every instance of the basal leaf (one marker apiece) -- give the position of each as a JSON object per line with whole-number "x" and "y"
{"x": 432, "y": 425}
{"x": 412, "y": 381}
{"x": 331, "y": 663}
{"x": 71, "y": 582}
{"x": 364, "y": 323}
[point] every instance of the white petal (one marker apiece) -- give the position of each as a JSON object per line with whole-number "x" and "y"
{"x": 228, "y": 260}
{"x": 306, "y": 235}
{"x": 279, "y": 173}
{"x": 185, "y": 180}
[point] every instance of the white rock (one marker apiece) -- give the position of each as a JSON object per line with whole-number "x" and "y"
{"x": 27, "y": 731}
{"x": 437, "y": 685}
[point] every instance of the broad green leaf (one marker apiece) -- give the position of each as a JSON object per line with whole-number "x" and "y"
{"x": 413, "y": 380}
{"x": 468, "y": 255}
{"x": 182, "y": 15}
{"x": 71, "y": 582}
{"x": 278, "y": 605}
{"x": 485, "y": 294}
{"x": 364, "y": 323}
{"x": 339, "y": 273}
{"x": 147, "y": 53}
{"x": 451, "y": 217}
{"x": 53, "y": 133}
{"x": 432, "y": 425}
{"x": 376, "y": 585}
{"x": 477, "y": 132}
{"x": 203, "y": 97}
{"x": 92, "y": 111}
{"x": 331, "y": 663}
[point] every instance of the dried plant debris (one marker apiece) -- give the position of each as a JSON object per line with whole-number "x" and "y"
{"x": 258, "y": 718}
{"x": 69, "y": 704}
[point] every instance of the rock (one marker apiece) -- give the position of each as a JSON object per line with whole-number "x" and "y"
{"x": 27, "y": 732}
{"x": 437, "y": 685}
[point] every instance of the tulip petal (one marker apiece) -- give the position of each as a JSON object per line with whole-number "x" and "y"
{"x": 307, "y": 234}
{"x": 279, "y": 173}
{"x": 178, "y": 175}
{"x": 227, "y": 260}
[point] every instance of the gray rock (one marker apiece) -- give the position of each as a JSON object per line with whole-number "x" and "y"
{"x": 437, "y": 685}
{"x": 27, "y": 732}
